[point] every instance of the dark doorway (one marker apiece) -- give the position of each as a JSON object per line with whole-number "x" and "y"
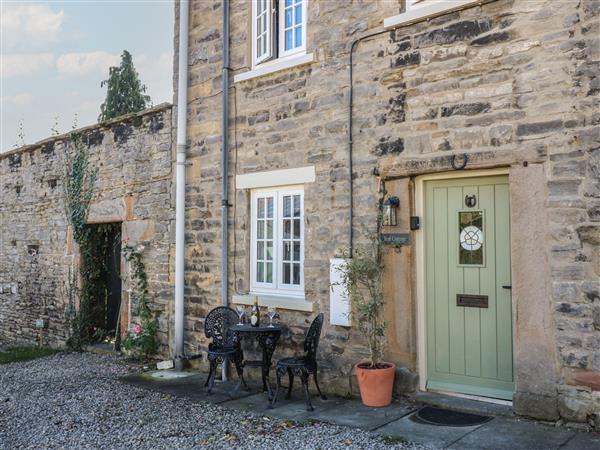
{"x": 106, "y": 279}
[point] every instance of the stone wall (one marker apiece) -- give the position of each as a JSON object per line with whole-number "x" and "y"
{"x": 509, "y": 83}
{"x": 133, "y": 159}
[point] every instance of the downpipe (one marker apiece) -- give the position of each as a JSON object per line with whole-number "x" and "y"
{"x": 179, "y": 356}
{"x": 225, "y": 167}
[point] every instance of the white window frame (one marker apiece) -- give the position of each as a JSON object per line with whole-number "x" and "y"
{"x": 281, "y": 32}
{"x": 282, "y": 53}
{"x": 412, "y": 4}
{"x": 427, "y": 9}
{"x": 268, "y": 15}
{"x": 277, "y": 287}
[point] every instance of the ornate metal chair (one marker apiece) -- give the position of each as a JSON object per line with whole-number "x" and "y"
{"x": 302, "y": 366}
{"x": 224, "y": 347}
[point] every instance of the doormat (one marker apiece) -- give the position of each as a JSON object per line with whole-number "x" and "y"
{"x": 448, "y": 418}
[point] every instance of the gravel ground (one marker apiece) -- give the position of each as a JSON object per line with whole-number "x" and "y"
{"x": 76, "y": 401}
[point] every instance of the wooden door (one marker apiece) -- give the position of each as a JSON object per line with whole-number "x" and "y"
{"x": 468, "y": 298}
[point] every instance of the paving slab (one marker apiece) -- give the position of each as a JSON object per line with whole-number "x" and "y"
{"x": 421, "y": 433}
{"x": 353, "y": 413}
{"x": 190, "y": 387}
{"x": 334, "y": 410}
{"x": 583, "y": 441}
{"x": 257, "y": 403}
{"x": 294, "y": 409}
{"x": 508, "y": 434}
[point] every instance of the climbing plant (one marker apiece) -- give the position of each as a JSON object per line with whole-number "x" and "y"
{"x": 78, "y": 184}
{"x": 142, "y": 341}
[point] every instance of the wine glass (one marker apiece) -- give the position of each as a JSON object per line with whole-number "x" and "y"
{"x": 271, "y": 312}
{"x": 241, "y": 312}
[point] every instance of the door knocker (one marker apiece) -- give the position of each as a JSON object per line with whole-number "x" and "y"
{"x": 470, "y": 201}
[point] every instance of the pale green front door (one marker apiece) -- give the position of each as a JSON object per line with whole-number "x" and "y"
{"x": 467, "y": 277}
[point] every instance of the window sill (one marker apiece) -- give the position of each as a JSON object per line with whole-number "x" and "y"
{"x": 277, "y": 301}
{"x": 274, "y": 66}
{"x": 428, "y": 11}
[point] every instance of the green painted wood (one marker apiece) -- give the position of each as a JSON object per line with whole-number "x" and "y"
{"x": 429, "y": 278}
{"x": 456, "y": 315}
{"x": 469, "y": 349}
{"x": 472, "y": 315}
{"x": 487, "y": 279}
{"x": 441, "y": 299}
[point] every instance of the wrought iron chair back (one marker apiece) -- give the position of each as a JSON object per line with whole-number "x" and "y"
{"x": 217, "y": 323}
{"x": 311, "y": 342}
{"x": 304, "y": 366}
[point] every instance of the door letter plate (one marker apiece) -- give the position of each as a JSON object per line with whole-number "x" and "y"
{"x": 472, "y": 301}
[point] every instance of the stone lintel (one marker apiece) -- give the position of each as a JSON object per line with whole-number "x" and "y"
{"x": 398, "y": 167}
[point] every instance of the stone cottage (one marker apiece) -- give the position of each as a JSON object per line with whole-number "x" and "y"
{"x": 480, "y": 116}
{"x": 475, "y": 121}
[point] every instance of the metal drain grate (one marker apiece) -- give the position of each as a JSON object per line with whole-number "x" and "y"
{"x": 448, "y": 418}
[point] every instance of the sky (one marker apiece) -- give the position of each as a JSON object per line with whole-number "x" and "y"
{"x": 54, "y": 55}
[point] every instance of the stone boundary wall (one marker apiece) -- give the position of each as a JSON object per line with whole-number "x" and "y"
{"x": 133, "y": 157}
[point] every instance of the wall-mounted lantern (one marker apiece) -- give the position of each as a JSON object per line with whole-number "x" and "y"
{"x": 390, "y": 207}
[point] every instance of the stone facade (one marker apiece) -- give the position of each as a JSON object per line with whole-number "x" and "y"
{"x": 509, "y": 83}
{"x": 133, "y": 159}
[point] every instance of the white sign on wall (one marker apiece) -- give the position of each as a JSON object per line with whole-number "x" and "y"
{"x": 339, "y": 305}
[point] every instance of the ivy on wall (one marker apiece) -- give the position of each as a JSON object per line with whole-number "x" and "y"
{"x": 78, "y": 184}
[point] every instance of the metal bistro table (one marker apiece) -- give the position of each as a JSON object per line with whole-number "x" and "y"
{"x": 267, "y": 338}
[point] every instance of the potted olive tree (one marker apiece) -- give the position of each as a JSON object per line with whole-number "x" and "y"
{"x": 362, "y": 277}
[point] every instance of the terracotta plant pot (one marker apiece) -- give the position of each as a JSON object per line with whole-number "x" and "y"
{"x": 375, "y": 385}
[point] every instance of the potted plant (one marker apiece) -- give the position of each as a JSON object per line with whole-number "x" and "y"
{"x": 362, "y": 277}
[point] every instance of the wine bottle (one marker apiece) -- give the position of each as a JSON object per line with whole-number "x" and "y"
{"x": 255, "y": 314}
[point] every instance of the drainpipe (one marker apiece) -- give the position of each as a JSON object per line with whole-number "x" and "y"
{"x": 180, "y": 183}
{"x": 224, "y": 167}
{"x": 353, "y": 46}
{"x": 224, "y": 157}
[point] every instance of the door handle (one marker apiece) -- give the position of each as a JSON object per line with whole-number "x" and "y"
{"x": 507, "y": 286}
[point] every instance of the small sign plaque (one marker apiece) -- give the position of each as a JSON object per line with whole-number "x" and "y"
{"x": 395, "y": 238}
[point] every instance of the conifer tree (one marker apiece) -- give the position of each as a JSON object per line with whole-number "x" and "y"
{"x": 125, "y": 92}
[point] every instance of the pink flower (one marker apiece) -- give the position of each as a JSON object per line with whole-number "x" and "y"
{"x": 137, "y": 328}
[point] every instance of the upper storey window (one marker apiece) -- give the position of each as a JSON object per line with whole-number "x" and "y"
{"x": 293, "y": 28}
{"x": 417, "y": 10}
{"x": 278, "y": 29}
